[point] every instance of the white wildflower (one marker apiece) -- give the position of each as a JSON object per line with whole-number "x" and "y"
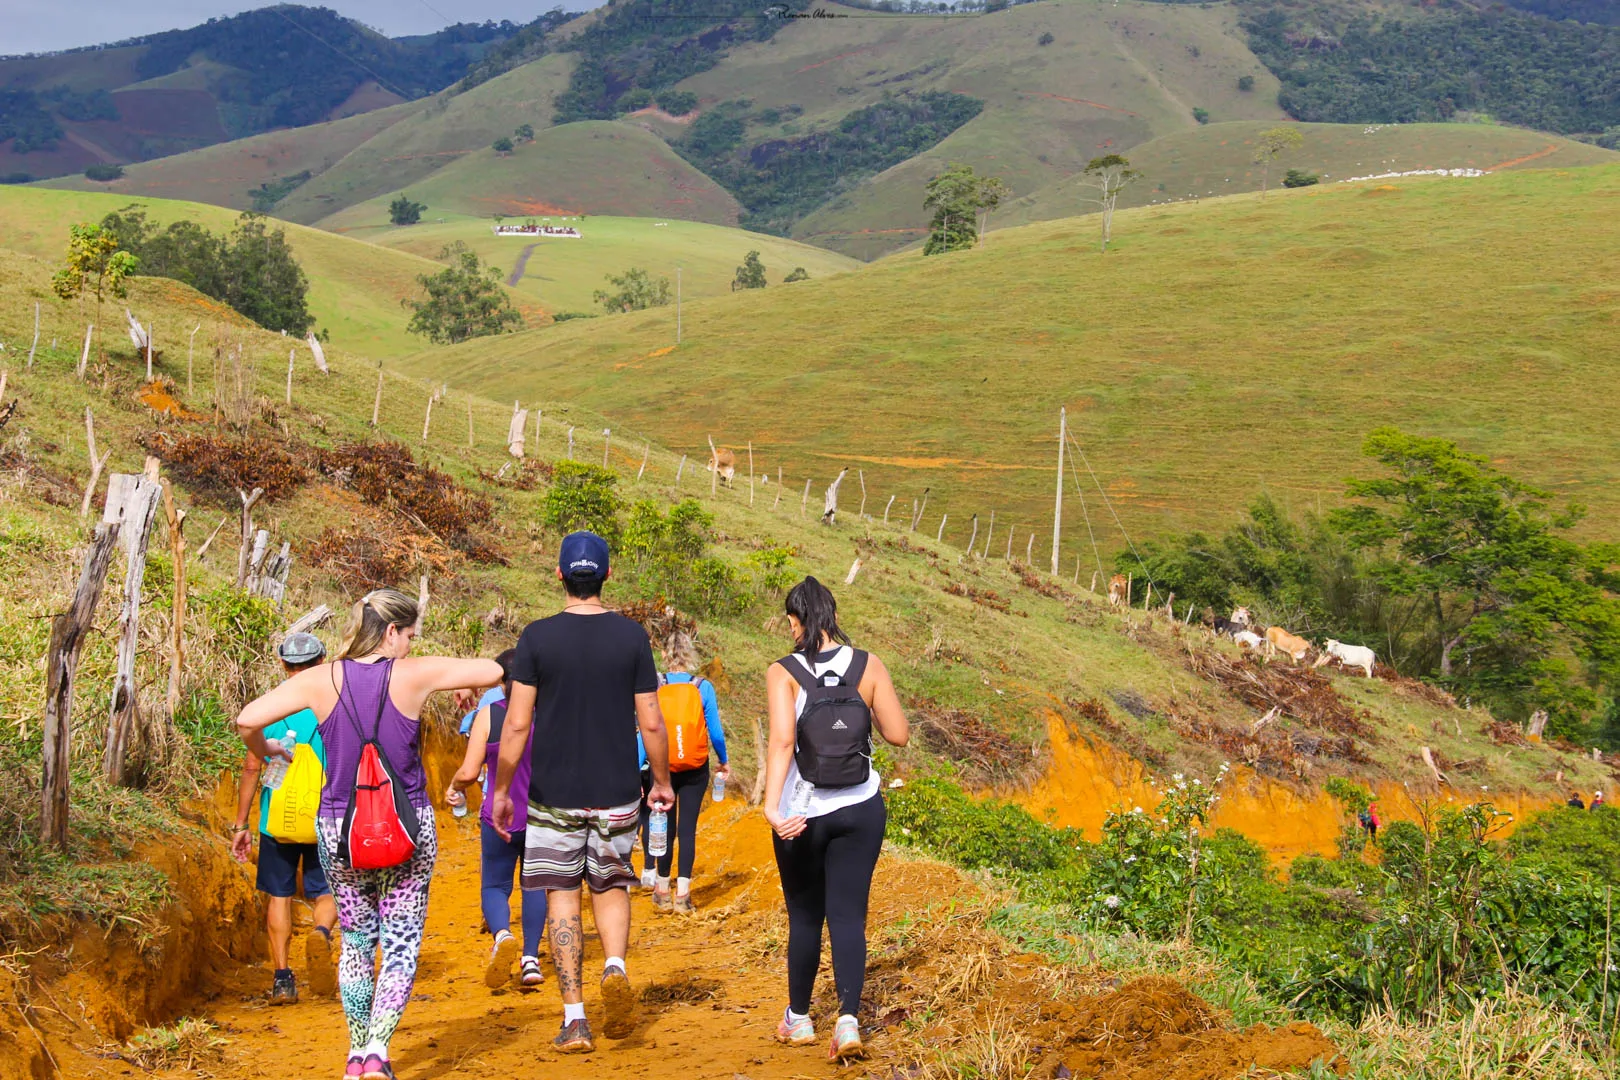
{"x": 897, "y": 782}
{"x": 1136, "y": 809}
{"x": 1111, "y": 901}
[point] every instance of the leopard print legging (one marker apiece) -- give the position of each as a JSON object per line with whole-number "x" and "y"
{"x": 378, "y": 906}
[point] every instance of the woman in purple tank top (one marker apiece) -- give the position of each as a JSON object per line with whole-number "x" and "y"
{"x": 373, "y": 682}
{"x": 500, "y": 857}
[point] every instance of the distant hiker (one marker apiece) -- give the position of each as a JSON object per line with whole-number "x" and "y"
{"x": 825, "y": 803}
{"x": 287, "y": 835}
{"x": 1574, "y": 801}
{"x": 470, "y": 701}
{"x": 1597, "y": 800}
{"x": 583, "y": 681}
{"x": 500, "y": 856}
{"x": 692, "y": 720}
{"x": 375, "y": 824}
{"x": 1370, "y": 821}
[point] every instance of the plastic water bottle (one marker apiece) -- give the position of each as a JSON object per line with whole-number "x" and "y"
{"x": 657, "y": 833}
{"x": 275, "y": 770}
{"x": 799, "y": 805}
{"x": 720, "y": 787}
{"x": 460, "y": 809}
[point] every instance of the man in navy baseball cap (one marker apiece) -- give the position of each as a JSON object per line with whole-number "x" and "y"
{"x": 583, "y": 558}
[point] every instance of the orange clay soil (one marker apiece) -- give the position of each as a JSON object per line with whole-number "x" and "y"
{"x": 713, "y": 987}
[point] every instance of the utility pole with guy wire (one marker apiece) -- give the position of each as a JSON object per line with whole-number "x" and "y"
{"x": 1057, "y": 509}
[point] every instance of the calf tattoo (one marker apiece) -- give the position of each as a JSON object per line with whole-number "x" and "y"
{"x": 567, "y": 953}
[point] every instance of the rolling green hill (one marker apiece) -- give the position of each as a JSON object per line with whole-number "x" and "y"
{"x": 562, "y": 274}
{"x": 1218, "y": 160}
{"x": 1217, "y": 350}
{"x": 1113, "y": 76}
{"x": 354, "y": 288}
{"x": 594, "y": 167}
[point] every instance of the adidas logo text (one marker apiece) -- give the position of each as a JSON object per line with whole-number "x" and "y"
{"x": 839, "y": 725}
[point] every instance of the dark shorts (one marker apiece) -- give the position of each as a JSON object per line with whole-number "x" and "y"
{"x": 278, "y": 869}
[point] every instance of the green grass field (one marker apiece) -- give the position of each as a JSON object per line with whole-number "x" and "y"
{"x": 1218, "y": 350}
{"x": 1115, "y": 75}
{"x": 596, "y": 167}
{"x": 354, "y": 288}
{"x": 561, "y": 274}
{"x": 226, "y": 173}
{"x": 1218, "y": 160}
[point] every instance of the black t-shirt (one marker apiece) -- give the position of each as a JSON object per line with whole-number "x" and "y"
{"x": 586, "y": 671}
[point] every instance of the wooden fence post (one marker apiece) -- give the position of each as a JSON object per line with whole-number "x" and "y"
{"x": 886, "y": 509}
{"x": 829, "y": 507}
{"x": 96, "y": 463}
{"x": 941, "y": 534}
{"x": 317, "y": 353}
{"x": 177, "y": 553}
{"x": 68, "y": 631}
{"x": 988, "y": 533}
{"x": 861, "y": 513}
{"x": 292, "y": 355}
{"x": 246, "y": 547}
{"x": 646, "y": 452}
{"x": 678, "y": 470}
{"x": 191, "y": 344}
{"x": 607, "y": 444}
{"x": 975, "y": 535}
{"x": 916, "y": 519}
{"x": 714, "y": 469}
{"x": 306, "y": 622}
{"x": 35, "y": 345}
{"x": 376, "y": 402}
{"x": 421, "y": 603}
{"x": 223, "y": 518}
{"x": 854, "y": 569}
{"x": 84, "y": 357}
{"x": 131, "y": 499}
{"x": 778, "y": 501}
{"x": 427, "y": 416}
{"x": 1009, "y": 543}
{"x": 805, "y": 498}
{"x": 515, "y": 432}
{"x": 1029, "y": 550}
{"x": 750, "y": 472}
{"x": 570, "y": 444}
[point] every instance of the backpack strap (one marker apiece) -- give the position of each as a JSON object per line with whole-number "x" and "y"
{"x": 801, "y": 674}
{"x": 857, "y": 668}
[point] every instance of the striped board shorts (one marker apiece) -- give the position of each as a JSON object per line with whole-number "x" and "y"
{"x": 564, "y": 847}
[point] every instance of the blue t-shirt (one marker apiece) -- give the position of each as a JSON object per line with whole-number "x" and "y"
{"x": 711, "y": 716}
{"x": 307, "y": 726}
{"x": 492, "y": 695}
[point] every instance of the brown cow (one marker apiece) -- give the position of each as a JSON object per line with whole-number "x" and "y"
{"x": 1118, "y": 590}
{"x": 725, "y": 463}
{"x": 1279, "y": 640}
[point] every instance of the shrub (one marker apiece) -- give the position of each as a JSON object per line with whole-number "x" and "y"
{"x": 502, "y": 145}
{"x": 677, "y": 102}
{"x": 1201, "y": 115}
{"x": 1572, "y": 844}
{"x": 774, "y": 571}
{"x": 402, "y": 211}
{"x": 583, "y": 496}
{"x": 1300, "y": 178}
{"x": 1246, "y": 83}
{"x": 799, "y": 274}
{"x": 1046, "y": 38}
{"x": 938, "y": 816}
{"x": 104, "y": 173}
{"x": 637, "y": 98}
{"x": 524, "y": 132}
{"x": 668, "y": 552}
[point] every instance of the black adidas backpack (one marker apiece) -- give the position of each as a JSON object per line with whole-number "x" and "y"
{"x": 835, "y": 729}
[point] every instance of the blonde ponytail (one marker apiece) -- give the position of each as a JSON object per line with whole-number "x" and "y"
{"x": 370, "y": 619}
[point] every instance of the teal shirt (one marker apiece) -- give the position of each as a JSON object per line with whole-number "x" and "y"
{"x": 308, "y": 729}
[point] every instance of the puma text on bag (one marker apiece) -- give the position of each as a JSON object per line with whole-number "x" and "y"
{"x": 682, "y": 706}
{"x": 834, "y": 747}
{"x": 380, "y": 827}
{"x": 291, "y": 819}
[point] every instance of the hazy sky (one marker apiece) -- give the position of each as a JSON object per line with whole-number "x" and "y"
{"x": 46, "y": 25}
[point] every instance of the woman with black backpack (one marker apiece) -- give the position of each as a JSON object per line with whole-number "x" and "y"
{"x": 825, "y": 803}
{"x": 375, "y": 823}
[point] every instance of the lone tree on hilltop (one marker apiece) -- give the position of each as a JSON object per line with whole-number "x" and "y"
{"x": 634, "y": 290}
{"x": 1535, "y": 615}
{"x": 958, "y": 197}
{"x": 95, "y": 262}
{"x": 1109, "y": 174}
{"x": 751, "y": 274}
{"x": 1272, "y": 142}
{"x": 464, "y": 300}
{"x": 402, "y": 211}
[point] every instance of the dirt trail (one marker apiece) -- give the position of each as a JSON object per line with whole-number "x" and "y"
{"x": 714, "y": 986}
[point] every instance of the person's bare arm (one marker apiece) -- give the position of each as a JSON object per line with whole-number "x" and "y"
{"x": 655, "y": 739}
{"x": 472, "y": 762}
{"x": 246, "y": 789}
{"x": 514, "y": 741}
{"x": 417, "y": 677}
{"x": 781, "y": 692}
{"x": 887, "y": 715}
{"x": 298, "y": 692}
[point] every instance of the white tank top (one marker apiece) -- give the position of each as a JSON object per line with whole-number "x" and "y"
{"x": 824, "y": 800}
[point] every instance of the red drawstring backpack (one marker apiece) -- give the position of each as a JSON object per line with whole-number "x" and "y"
{"x": 380, "y": 827}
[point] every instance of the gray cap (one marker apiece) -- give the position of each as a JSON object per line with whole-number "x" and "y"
{"x": 301, "y": 648}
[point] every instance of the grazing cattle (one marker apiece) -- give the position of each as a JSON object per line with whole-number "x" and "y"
{"x": 723, "y": 462}
{"x": 1248, "y": 639}
{"x": 1356, "y": 656}
{"x": 1119, "y": 590}
{"x": 1279, "y": 640}
{"x": 1240, "y": 618}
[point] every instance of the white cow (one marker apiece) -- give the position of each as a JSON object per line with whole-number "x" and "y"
{"x": 1248, "y": 639}
{"x": 1355, "y": 656}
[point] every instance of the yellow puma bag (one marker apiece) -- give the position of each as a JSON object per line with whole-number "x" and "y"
{"x": 294, "y": 803}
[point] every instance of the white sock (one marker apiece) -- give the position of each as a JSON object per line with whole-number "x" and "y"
{"x": 614, "y": 962}
{"x": 501, "y": 935}
{"x": 573, "y": 1011}
{"x": 663, "y": 883}
{"x": 794, "y": 1017}
{"x": 648, "y": 878}
{"x": 683, "y": 886}
{"x": 375, "y": 1049}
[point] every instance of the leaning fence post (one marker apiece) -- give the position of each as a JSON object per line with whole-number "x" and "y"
{"x": 177, "y": 553}
{"x": 943, "y": 518}
{"x": 778, "y": 500}
{"x": 917, "y": 519}
{"x": 96, "y": 463}
{"x": 1029, "y": 550}
{"x": 84, "y": 357}
{"x": 886, "y": 509}
{"x": 975, "y": 535}
{"x": 223, "y": 518}
{"x": 246, "y": 547}
{"x": 988, "y": 533}
{"x": 131, "y": 499}
{"x": 861, "y": 513}
{"x": 646, "y": 452}
{"x": 376, "y": 402}
{"x": 35, "y": 345}
{"x": 678, "y": 470}
{"x": 750, "y": 472}
{"x": 68, "y": 631}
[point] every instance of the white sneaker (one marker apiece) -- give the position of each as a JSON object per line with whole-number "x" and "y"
{"x": 649, "y": 878}
{"x": 498, "y": 971}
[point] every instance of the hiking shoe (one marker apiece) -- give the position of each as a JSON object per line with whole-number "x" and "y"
{"x": 846, "y": 1040}
{"x": 530, "y": 973}
{"x": 498, "y": 971}
{"x": 284, "y": 990}
{"x": 318, "y": 958}
{"x": 683, "y": 905}
{"x": 649, "y": 879}
{"x": 800, "y": 1032}
{"x": 663, "y": 902}
{"x": 355, "y": 1069}
{"x": 619, "y": 998}
{"x": 375, "y": 1068}
{"x": 574, "y": 1038}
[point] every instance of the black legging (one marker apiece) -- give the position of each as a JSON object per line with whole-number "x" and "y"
{"x": 691, "y": 785}
{"x": 827, "y": 878}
